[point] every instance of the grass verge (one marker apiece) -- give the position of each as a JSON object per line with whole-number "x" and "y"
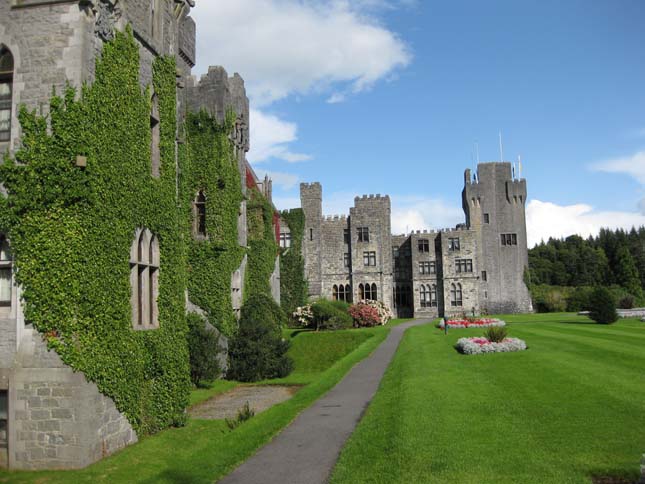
{"x": 569, "y": 408}
{"x": 206, "y": 450}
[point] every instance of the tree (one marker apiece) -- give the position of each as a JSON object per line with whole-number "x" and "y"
{"x": 626, "y": 273}
{"x": 204, "y": 349}
{"x": 602, "y": 306}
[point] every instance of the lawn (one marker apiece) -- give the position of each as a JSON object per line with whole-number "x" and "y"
{"x": 570, "y": 407}
{"x": 206, "y": 450}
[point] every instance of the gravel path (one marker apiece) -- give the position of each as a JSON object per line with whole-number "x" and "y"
{"x": 306, "y": 451}
{"x": 226, "y": 405}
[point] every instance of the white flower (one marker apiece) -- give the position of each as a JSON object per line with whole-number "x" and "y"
{"x": 475, "y": 346}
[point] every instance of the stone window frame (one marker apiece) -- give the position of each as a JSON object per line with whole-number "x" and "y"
{"x": 453, "y": 244}
{"x": 6, "y": 266}
{"x": 434, "y": 301}
{"x": 369, "y": 258}
{"x": 346, "y": 259}
{"x": 363, "y": 234}
{"x": 346, "y": 236}
{"x": 341, "y": 292}
{"x": 285, "y": 240}
{"x": 427, "y": 267}
{"x": 486, "y": 218}
{"x": 144, "y": 280}
{"x": 424, "y": 296}
{"x": 484, "y": 276}
{"x": 508, "y": 239}
{"x": 463, "y": 265}
{"x": 423, "y": 245}
{"x": 7, "y": 68}
{"x": 199, "y": 215}
{"x": 368, "y": 292}
{"x": 456, "y": 295}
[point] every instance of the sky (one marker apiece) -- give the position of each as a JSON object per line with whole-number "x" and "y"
{"x": 392, "y": 96}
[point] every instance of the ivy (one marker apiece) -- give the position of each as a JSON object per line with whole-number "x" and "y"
{"x": 208, "y": 163}
{"x": 71, "y": 231}
{"x": 263, "y": 248}
{"x": 293, "y": 285}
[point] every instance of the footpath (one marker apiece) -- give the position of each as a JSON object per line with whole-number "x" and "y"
{"x": 306, "y": 451}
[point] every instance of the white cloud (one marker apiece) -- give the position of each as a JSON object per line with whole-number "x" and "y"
{"x": 631, "y": 165}
{"x": 283, "y": 47}
{"x": 545, "y": 219}
{"x": 418, "y": 213}
{"x": 270, "y": 138}
{"x": 286, "y": 181}
{"x": 336, "y": 97}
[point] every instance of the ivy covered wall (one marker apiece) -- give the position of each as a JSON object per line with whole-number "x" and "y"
{"x": 263, "y": 248}
{"x": 208, "y": 163}
{"x": 71, "y": 230}
{"x": 293, "y": 285}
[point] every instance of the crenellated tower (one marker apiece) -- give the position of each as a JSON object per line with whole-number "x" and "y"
{"x": 494, "y": 205}
{"x": 311, "y": 203}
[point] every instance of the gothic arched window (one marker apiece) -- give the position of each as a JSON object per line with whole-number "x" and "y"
{"x": 144, "y": 280}
{"x": 374, "y": 293}
{"x": 348, "y": 293}
{"x": 424, "y": 296}
{"x": 335, "y": 292}
{"x": 6, "y": 90}
{"x": 199, "y": 214}
{"x": 433, "y": 295}
{"x": 361, "y": 292}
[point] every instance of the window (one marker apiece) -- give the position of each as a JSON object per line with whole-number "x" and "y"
{"x": 346, "y": 236}
{"x": 144, "y": 280}
{"x": 369, "y": 258}
{"x": 285, "y": 240}
{"x": 199, "y": 215}
{"x": 5, "y": 272}
{"x": 424, "y": 245}
{"x": 433, "y": 295}
{"x": 346, "y": 259}
{"x": 427, "y": 267}
{"x": 455, "y": 295}
{"x": 453, "y": 243}
{"x": 425, "y": 296}
{"x": 486, "y": 218}
{"x": 509, "y": 239}
{"x": 363, "y": 234}
{"x": 342, "y": 293}
{"x": 311, "y": 234}
{"x": 402, "y": 296}
{"x": 464, "y": 265}
{"x": 6, "y": 88}
{"x": 368, "y": 292}
{"x": 154, "y": 135}
{"x": 484, "y": 276}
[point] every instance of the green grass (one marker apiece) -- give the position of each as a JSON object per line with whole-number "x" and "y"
{"x": 209, "y": 390}
{"x": 206, "y": 450}
{"x": 571, "y": 406}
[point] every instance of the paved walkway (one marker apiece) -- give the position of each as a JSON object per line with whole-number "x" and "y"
{"x": 306, "y": 451}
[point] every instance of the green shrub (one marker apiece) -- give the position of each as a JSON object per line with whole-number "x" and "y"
{"x": 496, "y": 334}
{"x": 243, "y": 414}
{"x": 603, "y": 306}
{"x": 258, "y": 351}
{"x": 203, "y": 349}
{"x": 626, "y": 302}
{"x": 331, "y": 315}
{"x": 578, "y": 299}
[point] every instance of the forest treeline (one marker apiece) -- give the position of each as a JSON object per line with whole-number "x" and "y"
{"x": 562, "y": 271}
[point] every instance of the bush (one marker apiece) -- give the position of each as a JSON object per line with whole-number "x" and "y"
{"x": 578, "y": 299}
{"x": 370, "y": 313}
{"x": 626, "y": 302}
{"x": 243, "y": 414}
{"x": 203, "y": 348}
{"x": 258, "y": 351}
{"x": 330, "y": 315}
{"x": 603, "y": 306}
{"x": 496, "y": 334}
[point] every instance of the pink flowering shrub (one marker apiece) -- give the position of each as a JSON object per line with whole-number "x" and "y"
{"x": 370, "y": 313}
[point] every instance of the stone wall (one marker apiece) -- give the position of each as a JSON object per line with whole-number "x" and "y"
{"x": 311, "y": 203}
{"x": 58, "y": 420}
{"x": 469, "y": 281}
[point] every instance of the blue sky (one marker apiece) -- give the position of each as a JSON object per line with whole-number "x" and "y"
{"x": 389, "y": 96}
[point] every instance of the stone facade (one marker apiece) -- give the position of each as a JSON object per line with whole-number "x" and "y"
{"x": 54, "y": 417}
{"x": 467, "y": 270}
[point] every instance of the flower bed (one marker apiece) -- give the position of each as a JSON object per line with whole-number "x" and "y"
{"x": 471, "y": 323}
{"x": 475, "y": 346}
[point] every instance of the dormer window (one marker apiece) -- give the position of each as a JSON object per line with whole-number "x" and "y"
{"x": 6, "y": 90}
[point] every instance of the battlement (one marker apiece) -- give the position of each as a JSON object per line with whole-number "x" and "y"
{"x": 310, "y": 185}
{"x": 371, "y": 197}
{"x": 335, "y": 218}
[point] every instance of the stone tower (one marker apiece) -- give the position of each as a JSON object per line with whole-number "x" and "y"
{"x": 372, "y": 213}
{"x": 311, "y": 203}
{"x": 493, "y": 203}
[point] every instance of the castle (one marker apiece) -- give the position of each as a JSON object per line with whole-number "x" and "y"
{"x": 477, "y": 267}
